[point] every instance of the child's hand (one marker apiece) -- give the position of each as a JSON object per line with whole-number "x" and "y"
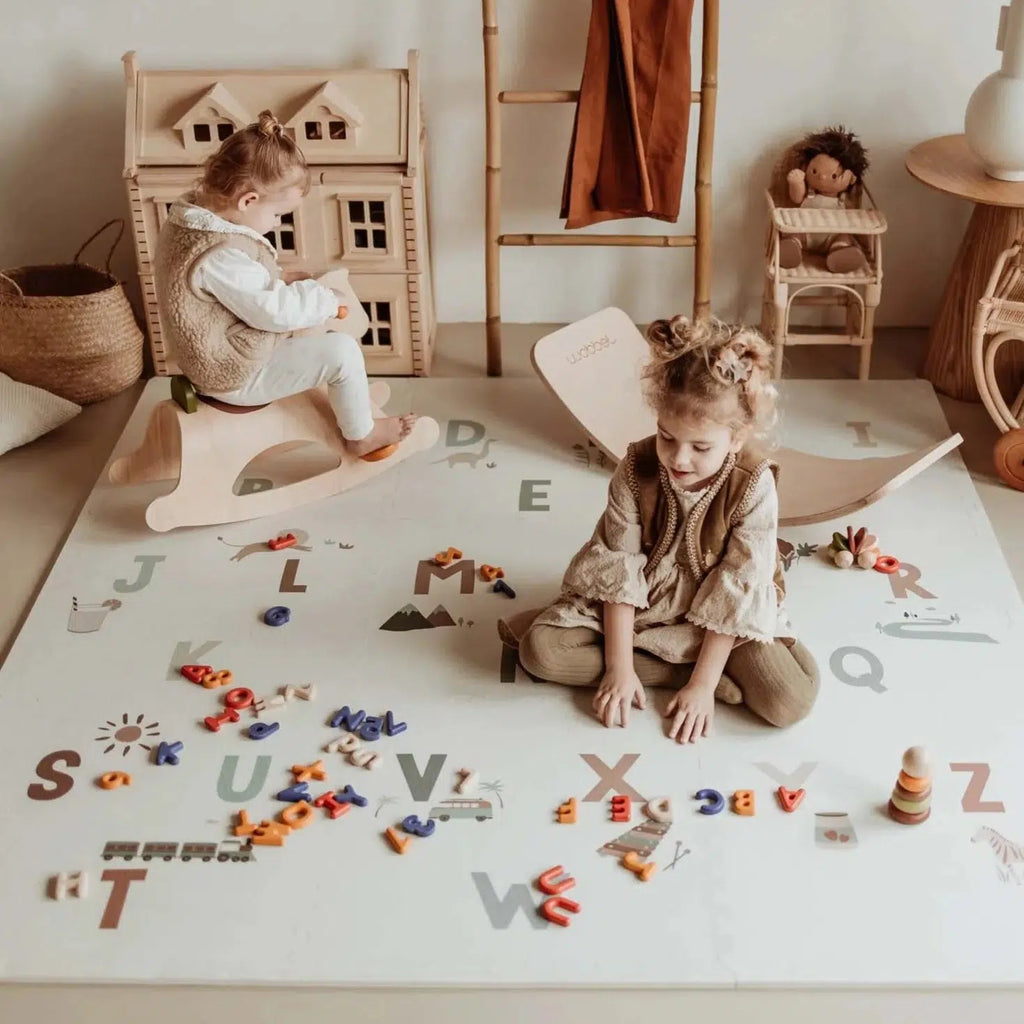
{"x": 693, "y": 708}
{"x": 619, "y": 689}
{"x": 291, "y": 276}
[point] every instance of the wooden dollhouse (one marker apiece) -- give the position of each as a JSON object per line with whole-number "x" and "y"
{"x": 362, "y": 135}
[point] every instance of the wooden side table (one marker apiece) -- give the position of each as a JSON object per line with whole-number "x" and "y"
{"x": 946, "y": 164}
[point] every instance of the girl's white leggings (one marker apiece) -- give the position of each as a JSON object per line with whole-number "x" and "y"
{"x": 298, "y": 364}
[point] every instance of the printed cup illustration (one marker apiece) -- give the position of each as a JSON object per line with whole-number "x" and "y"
{"x": 835, "y": 830}
{"x": 87, "y": 618}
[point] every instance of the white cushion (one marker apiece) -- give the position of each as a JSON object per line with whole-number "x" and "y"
{"x": 27, "y": 412}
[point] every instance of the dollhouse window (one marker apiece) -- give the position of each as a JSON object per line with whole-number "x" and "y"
{"x": 369, "y": 225}
{"x": 336, "y": 130}
{"x": 326, "y": 115}
{"x": 378, "y": 334}
{"x": 163, "y": 211}
{"x": 282, "y": 238}
{"x": 211, "y": 119}
{"x": 202, "y": 131}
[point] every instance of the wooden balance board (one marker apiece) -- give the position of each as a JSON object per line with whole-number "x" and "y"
{"x": 593, "y": 367}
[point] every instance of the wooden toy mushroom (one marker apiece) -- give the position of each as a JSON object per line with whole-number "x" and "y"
{"x": 860, "y": 547}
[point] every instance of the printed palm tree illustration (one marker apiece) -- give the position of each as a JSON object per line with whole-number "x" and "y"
{"x": 806, "y": 550}
{"x": 383, "y": 802}
{"x": 495, "y": 788}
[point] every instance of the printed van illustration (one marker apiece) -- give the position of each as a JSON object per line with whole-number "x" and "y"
{"x": 479, "y": 809}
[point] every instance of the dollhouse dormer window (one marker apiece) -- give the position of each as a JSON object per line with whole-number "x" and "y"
{"x": 331, "y": 128}
{"x": 204, "y": 131}
{"x": 214, "y": 116}
{"x": 325, "y": 116}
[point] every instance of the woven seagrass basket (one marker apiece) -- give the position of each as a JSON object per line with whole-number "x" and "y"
{"x": 68, "y": 328}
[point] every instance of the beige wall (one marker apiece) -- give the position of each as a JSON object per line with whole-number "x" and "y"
{"x": 896, "y": 71}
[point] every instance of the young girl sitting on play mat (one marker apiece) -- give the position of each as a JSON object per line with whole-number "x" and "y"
{"x": 681, "y": 577}
{"x": 229, "y": 311}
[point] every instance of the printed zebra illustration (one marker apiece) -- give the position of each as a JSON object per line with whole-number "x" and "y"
{"x": 1009, "y": 855}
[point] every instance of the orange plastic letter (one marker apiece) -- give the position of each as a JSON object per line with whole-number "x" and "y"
{"x": 743, "y": 801}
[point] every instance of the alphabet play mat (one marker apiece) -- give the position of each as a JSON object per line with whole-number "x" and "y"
{"x": 385, "y": 715}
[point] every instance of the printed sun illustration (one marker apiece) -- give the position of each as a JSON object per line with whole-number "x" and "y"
{"x": 127, "y": 734}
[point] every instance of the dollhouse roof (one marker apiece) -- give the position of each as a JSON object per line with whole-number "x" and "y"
{"x": 374, "y": 100}
{"x": 218, "y": 99}
{"x": 328, "y": 96}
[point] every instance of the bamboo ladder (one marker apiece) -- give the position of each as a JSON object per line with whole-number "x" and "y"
{"x": 700, "y": 240}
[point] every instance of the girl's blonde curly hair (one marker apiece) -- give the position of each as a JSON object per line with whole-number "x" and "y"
{"x": 259, "y": 158}
{"x": 713, "y": 369}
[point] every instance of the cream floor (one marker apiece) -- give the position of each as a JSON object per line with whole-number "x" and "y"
{"x": 42, "y": 488}
{"x": 44, "y": 485}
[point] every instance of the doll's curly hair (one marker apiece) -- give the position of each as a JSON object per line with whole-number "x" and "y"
{"x": 838, "y": 143}
{"x": 713, "y": 369}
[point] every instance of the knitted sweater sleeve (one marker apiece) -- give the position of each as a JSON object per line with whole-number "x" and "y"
{"x": 245, "y": 287}
{"x": 610, "y": 566}
{"x": 738, "y": 596}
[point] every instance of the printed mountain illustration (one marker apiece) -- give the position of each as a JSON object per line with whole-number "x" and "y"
{"x": 440, "y": 616}
{"x": 409, "y": 617}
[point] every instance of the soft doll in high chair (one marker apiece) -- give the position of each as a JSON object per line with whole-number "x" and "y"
{"x": 833, "y": 164}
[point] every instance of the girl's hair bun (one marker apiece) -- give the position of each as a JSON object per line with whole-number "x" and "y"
{"x": 268, "y": 125}
{"x": 261, "y": 158}
{"x": 695, "y": 363}
{"x": 672, "y": 338}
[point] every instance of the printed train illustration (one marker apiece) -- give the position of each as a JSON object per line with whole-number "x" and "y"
{"x": 229, "y": 849}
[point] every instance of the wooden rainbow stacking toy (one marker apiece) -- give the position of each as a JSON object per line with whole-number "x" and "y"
{"x": 911, "y": 799}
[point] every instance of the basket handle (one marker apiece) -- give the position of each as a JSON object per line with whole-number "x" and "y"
{"x": 14, "y": 284}
{"x": 119, "y": 221}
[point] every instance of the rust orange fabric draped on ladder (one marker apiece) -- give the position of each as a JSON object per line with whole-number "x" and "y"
{"x": 629, "y": 138}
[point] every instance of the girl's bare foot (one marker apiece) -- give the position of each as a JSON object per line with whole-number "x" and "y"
{"x": 387, "y": 431}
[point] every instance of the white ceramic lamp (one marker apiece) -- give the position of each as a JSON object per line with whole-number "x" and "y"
{"x": 994, "y": 123}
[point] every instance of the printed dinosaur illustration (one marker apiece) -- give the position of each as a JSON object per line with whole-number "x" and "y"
{"x": 467, "y": 458}
{"x": 301, "y": 544}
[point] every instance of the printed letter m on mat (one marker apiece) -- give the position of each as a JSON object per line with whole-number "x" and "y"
{"x": 424, "y": 571}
